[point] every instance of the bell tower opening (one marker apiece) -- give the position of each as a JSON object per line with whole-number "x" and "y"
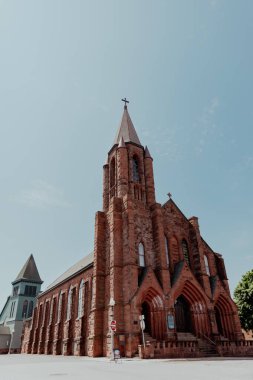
{"x": 112, "y": 177}
{"x": 135, "y": 165}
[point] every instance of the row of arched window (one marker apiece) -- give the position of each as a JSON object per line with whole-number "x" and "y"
{"x": 185, "y": 250}
{"x": 81, "y": 302}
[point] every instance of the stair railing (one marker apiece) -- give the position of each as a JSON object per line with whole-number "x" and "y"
{"x": 207, "y": 338}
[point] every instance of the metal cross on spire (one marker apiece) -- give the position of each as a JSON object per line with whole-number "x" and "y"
{"x": 125, "y": 100}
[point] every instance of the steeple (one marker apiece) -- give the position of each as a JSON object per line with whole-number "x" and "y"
{"x": 127, "y": 130}
{"x": 129, "y": 171}
{"x": 29, "y": 272}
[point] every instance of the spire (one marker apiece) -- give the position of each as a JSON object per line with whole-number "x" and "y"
{"x": 29, "y": 272}
{"x": 126, "y": 130}
{"x": 147, "y": 153}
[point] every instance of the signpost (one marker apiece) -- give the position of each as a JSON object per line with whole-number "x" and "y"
{"x": 113, "y": 325}
{"x": 170, "y": 321}
{"x": 142, "y": 324}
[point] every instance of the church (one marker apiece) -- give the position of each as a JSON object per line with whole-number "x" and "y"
{"x": 152, "y": 287}
{"x": 19, "y": 306}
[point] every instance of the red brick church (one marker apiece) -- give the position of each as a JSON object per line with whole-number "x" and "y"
{"x": 149, "y": 259}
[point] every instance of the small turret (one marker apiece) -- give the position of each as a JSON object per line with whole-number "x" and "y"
{"x": 122, "y": 169}
{"x": 149, "y": 176}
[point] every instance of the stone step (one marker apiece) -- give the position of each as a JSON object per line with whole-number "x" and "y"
{"x": 186, "y": 336}
{"x": 207, "y": 348}
{"x": 148, "y": 338}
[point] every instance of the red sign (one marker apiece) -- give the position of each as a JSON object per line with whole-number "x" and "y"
{"x": 113, "y": 325}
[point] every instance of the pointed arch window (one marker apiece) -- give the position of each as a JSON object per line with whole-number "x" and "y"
{"x": 206, "y": 265}
{"x": 167, "y": 251}
{"x": 185, "y": 251}
{"x": 141, "y": 253}
{"x": 112, "y": 172}
{"x": 51, "y": 311}
{"x": 69, "y": 306}
{"x": 135, "y": 166}
{"x": 30, "y": 309}
{"x": 59, "y": 307}
{"x": 24, "y": 310}
{"x": 81, "y": 300}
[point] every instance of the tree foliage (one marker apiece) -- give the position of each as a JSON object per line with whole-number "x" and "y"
{"x": 244, "y": 299}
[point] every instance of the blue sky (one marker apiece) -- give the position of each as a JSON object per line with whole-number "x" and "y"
{"x": 186, "y": 67}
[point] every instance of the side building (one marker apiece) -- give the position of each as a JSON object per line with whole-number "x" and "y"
{"x": 149, "y": 260}
{"x": 19, "y": 306}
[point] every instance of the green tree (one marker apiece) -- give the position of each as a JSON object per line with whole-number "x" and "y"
{"x": 244, "y": 299}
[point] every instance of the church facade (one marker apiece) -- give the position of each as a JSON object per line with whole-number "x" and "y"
{"x": 149, "y": 260}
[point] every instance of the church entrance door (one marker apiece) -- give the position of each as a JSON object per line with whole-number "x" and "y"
{"x": 183, "y": 315}
{"x": 147, "y": 318}
{"x": 218, "y": 321}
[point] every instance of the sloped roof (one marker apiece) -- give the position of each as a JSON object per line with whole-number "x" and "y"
{"x": 5, "y": 305}
{"x": 177, "y": 208}
{"x": 4, "y": 330}
{"x": 127, "y": 130}
{"x": 29, "y": 272}
{"x": 81, "y": 264}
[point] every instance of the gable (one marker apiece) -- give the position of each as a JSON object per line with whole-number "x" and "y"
{"x": 172, "y": 213}
{"x": 4, "y": 311}
{"x": 183, "y": 278}
{"x": 149, "y": 281}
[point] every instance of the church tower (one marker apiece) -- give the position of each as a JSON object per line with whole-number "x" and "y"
{"x": 129, "y": 170}
{"x": 20, "y": 304}
{"x": 129, "y": 244}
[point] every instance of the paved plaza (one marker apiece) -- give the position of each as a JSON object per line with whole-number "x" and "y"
{"x": 39, "y": 367}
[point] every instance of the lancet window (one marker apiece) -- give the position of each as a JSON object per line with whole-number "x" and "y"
{"x": 185, "y": 251}
{"x": 59, "y": 307}
{"x": 112, "y": 176}
{"x": 81, "y": 300}
{"x": 24, "y": 310}
{"x": 30, "y": 309}
{"x": 135, "y": 166}
{"x": 206, "y": 265}
{"x": 167, "y": 251}
{"x": 141, "y": 253}
{"x": 69, "y": 306}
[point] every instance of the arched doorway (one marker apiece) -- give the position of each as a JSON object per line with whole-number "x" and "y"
{"x": 218, "y": 321}
{"x": 183, "y": 315}
{"x": 147, "y": 317}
